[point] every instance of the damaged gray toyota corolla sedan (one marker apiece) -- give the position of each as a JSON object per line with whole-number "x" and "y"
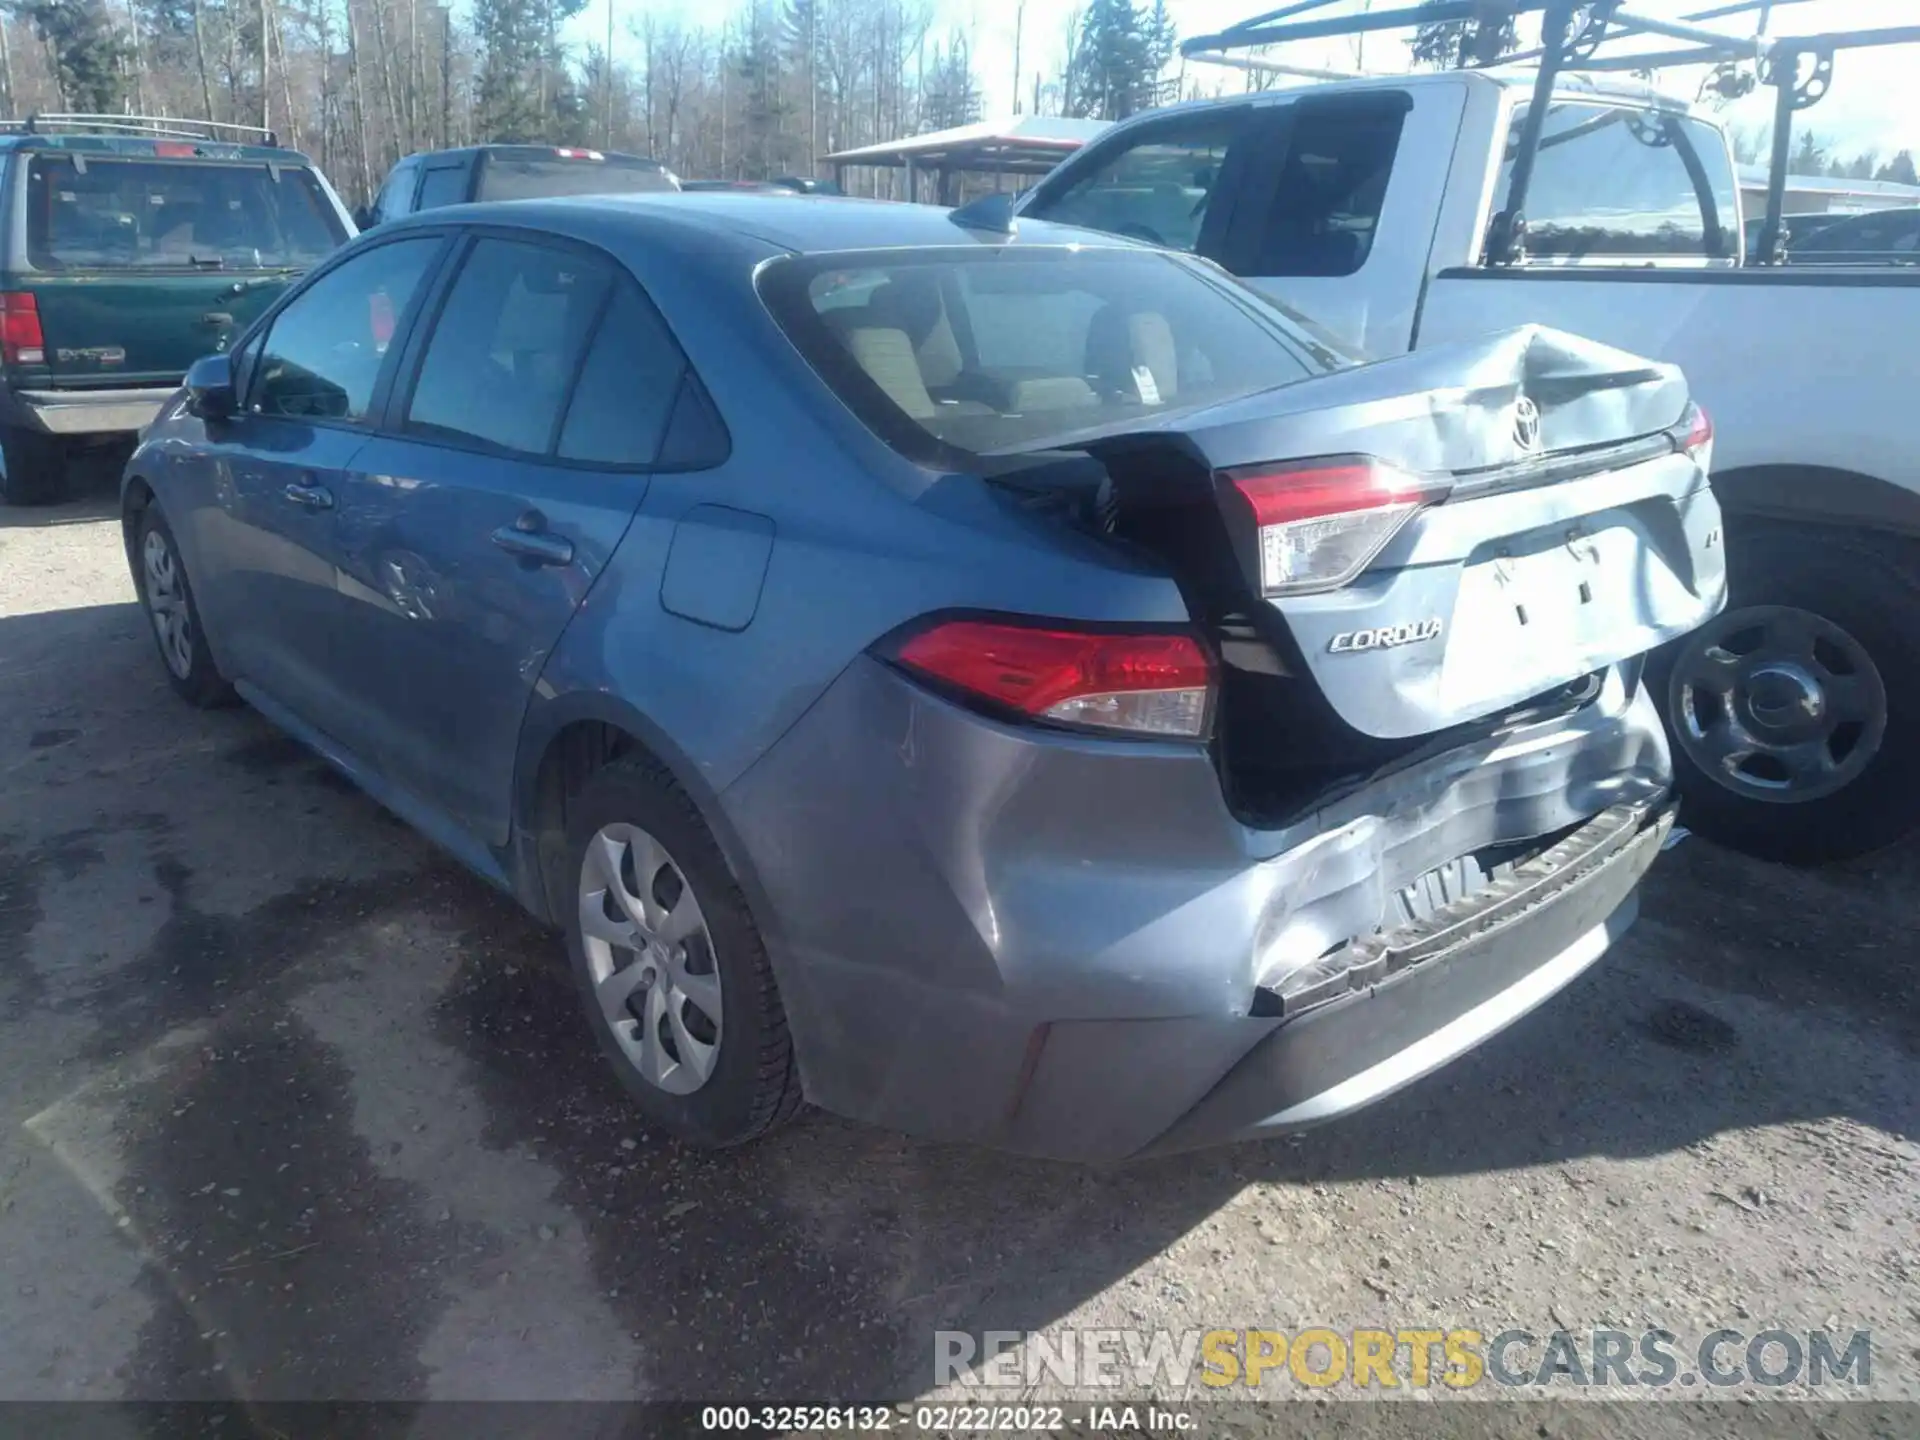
{"x": 1019, "y": 688}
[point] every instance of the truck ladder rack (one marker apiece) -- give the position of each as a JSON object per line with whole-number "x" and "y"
{"x": 1573, "y": 33}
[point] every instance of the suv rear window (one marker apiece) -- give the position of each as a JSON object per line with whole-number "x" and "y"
{"x": 163, "y": 214}
{"x": 972, "y": 350}
{"x": 535, "y": 178}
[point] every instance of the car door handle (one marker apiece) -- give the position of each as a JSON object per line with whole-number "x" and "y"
{"x": 529, "y": 538}
{"x": 310, "y": 497}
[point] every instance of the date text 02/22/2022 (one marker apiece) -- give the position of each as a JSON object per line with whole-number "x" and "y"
{"x": 946, "y": 1419}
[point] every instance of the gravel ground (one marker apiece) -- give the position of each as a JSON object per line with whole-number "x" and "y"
{"x": 291, "y": 1108}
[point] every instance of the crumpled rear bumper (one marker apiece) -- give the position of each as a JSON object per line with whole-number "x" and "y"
{"x": 1067, "y": 946}
{"x": 1418, "y": 997}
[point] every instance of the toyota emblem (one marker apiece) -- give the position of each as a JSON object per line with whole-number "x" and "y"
{"x": 1526, "y": 425}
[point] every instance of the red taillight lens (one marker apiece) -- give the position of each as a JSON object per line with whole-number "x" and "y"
{"x": 1138, "y": 684}
{"x": 21, "y": 342}
{"x": 572, "y": 153}
{"x": 1321, "y": 523}
{"x": 1696, "y": 434}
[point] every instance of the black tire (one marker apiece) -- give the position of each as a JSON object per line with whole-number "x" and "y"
{"x": 36, "y": 467}
{"x": 1855, "y": 583}
{"x": 754, "y": 1087}
{"x": 199, "y": 681}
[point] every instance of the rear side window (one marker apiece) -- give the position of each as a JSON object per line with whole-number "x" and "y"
{"x": 510, "y": 177}
{"x": 1158, "y": 188}
{"x": 322, "y": 357}
{"x": 174, "y": 215}
{"x": 1326, "y": 201}
{"x": 443, "y": 185}
{"x": 627, "y": 387}
{"x": 503, "y": 353}
{"x": 1868, "y": 239}
{"x": 1613, "y": 183}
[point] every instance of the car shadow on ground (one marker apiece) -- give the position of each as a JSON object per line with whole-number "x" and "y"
{"x": 818, "y": 1262}
{"x": 92, "y": 493}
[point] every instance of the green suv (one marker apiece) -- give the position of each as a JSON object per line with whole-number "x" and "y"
{"x": 128, "y": 249}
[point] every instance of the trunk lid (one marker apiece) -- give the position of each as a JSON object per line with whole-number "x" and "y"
{"x": 1555, "y": 524}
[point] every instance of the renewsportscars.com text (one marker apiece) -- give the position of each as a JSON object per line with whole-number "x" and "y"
{"x": 1319, "y": 1358}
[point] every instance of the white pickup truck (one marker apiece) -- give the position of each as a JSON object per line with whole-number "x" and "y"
{"x": 1366, "y": 204}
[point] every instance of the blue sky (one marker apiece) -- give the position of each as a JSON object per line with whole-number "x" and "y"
{"x": 1875, "y": 101}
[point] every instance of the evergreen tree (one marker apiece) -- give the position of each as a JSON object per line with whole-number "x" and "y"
{"x": 1899, "y": 170}
{"x": 86, "y": 51}
{"x": 1809, "y": 156}
{"x": 512, "y": 39}
{"x": 1122, "y": 49}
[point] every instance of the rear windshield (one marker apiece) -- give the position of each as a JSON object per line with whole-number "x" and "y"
{"x": 508, "y": 178}
{"x": 165, "y": 214}
{"x": 975, "y": 350}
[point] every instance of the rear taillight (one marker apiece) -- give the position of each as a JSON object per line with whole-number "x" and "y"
{"x": 1149, "y": 684}
{"x": 21, "y": 342}
{"x": 1321, "y": 523}
{"x": 1694, "y": 435}
{"x": 571, "y": 153}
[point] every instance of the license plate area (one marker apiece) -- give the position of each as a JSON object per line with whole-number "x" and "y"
{"x": 1544, "y": 604}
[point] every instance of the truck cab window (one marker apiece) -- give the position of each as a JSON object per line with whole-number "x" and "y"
{"x": 1626, "y": 185}
{"x": 1326, "y": 203}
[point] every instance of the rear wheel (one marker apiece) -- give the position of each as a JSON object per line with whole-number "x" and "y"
{"x": 1795, "y": 714}
{"x": 35, "y": 468}
{"x": 672, "y": 972}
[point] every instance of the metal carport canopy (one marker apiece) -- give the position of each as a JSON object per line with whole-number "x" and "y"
{"x": 1017, "y": 145}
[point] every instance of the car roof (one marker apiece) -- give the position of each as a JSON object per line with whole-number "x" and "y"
{"x": 798, "y": 224}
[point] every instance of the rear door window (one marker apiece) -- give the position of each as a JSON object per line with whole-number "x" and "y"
{"x": 396, "y": 196}
{"x": 1612, "y": 183}
{"x": 1325, "y": 202}
{"x": 174, "y": 215}
{"x": 505, "y": 348}
{"x": 1158, "y": 188}
{"x": 443, "y": 185}
{"x": 322, "y": 358}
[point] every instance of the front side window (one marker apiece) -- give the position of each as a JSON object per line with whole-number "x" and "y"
{"x": 322, "y": 358}
{"x": 1613, "y": 183}
{"x": 964, "y": 351}
{"x": 503, "y": 353}
{"x": 175, "y": 215}
{"x": 1156, "y": 189}
{"x": 443, "y": 185}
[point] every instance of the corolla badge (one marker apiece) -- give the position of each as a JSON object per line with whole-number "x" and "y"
{"x": 1349, "y": 642}
{"x": 1526, "y": 425}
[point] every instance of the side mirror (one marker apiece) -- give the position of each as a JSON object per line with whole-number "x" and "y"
{"x": 210, "y": 393}
{"x": 363, "y": 217}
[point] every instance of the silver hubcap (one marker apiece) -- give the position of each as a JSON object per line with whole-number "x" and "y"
{"x": 167, "y": 603}
{"x": 651, "y": 958}
{"x": 1779, "y": 704}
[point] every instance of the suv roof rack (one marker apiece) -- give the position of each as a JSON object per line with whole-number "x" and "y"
{"x": 1573, "y": 33}
{"x": 152, "y": 127}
